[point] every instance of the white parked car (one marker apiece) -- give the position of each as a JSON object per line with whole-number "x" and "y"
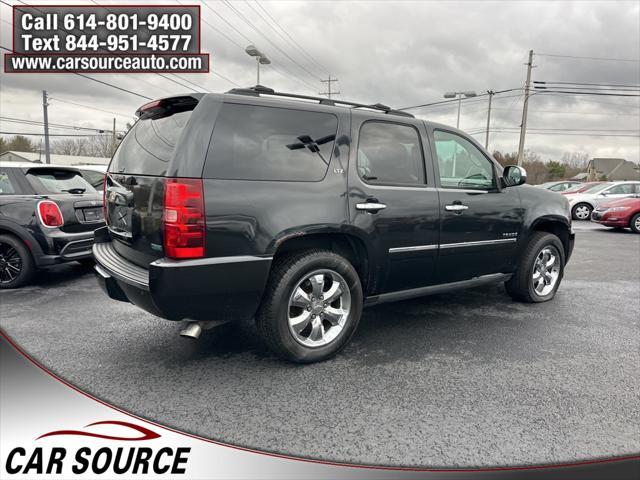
{"x": 94, "y": 174}
{"x": 583, "y": 203}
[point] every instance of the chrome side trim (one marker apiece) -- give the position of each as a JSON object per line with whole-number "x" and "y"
{"x": 478, "y": 243}
{"x": 415, "y": 248}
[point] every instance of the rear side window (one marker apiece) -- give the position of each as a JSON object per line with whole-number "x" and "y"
{"x": 390, "y": 154}
{"x": 6, "y": 187}
{"x": 148, "y": 147}
{"x": 264, "y": 143}
{"x": 58, "y": 181}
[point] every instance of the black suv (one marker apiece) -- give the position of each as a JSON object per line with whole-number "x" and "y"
{"x": 47, "y": 216}
{"x": 299, "y": 211}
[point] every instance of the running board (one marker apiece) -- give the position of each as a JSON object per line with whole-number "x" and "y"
{"x": 434, "y": 289}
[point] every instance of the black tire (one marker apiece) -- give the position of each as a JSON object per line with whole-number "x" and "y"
{"x": 582, "y": 205}
{"x": 15, "y": 254}
{"x": 520, "y": 285}
{"x": 634, "y": 224}
{"x": 272, "y": 319}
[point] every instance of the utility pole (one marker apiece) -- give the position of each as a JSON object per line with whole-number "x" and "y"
{"x": 47, "y": 154}
{"x": 328, "y": 93}
{"x": 486, "y": 138}
{"x": 113, "y": 138}
{"x": 525, "y": 107}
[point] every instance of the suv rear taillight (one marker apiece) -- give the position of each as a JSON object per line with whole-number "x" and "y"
{"x": 183, "y": 218}
{"x": 50, "y": 214}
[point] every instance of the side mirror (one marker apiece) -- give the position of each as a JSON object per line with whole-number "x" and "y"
{"x": 514, "y": 175}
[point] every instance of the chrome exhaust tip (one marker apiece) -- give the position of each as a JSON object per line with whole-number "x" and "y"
{"x": 192, "y": 330}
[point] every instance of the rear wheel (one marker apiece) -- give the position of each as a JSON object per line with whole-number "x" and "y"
{"x": 312, "y": 306}
{"x": 540, "y": 270}
{"x": 16, "y": 263}
{"x": 634, "y": 224}
{"x": 582, "y": 211}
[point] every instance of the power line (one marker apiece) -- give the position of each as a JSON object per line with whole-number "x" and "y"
{"x": 51, "y": 125}
{"x": 590, "y": 84}
{"x": 573, "y": 92}
{"x": 252, "y": 26}
{"x": 92, "y": 108}
{"x": 290, "y": 76}
{"x": 575, "y": 112}
{"x": 467, "y": 101}
{"x": 294, "y": 45}
{"x": 257, "y": 30}
{"x": 606, "y": 59}
{"x": 54, "y": 134}
{"x": 322, "y": 67}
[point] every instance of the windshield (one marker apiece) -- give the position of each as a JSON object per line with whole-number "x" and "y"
{"x": 596, "y": 188}
{"x": 575, "y": 188}
{"x": 59, "y": 181}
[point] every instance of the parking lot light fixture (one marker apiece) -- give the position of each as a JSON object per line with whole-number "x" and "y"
{"x": 459, "y": 96}
{"x": 261, "y": 59}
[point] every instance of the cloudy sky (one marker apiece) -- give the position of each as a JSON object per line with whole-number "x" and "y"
{"x": 400, "y": 54}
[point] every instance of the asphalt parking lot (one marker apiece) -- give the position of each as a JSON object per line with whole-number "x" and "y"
{"x": 463, "y": 379}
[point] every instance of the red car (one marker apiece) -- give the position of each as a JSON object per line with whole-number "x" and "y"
{"x": 620, "y": 213}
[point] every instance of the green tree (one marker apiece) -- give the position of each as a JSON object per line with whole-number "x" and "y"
{"x": 3, "y": 145}
{"x": 21, "y": 144}
{"x": 556, "y": 169}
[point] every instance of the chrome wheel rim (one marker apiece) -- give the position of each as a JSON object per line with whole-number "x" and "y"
{"x": 637, "y": 224}
{"x": 583, "y": 212}
{"x": 318, "y": 308}
{"x": 10, "y": 263}
{"x": 546, "y": 270}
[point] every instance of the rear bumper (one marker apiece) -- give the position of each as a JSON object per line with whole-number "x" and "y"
{"x": 222, "y": 288}
{"x": 66, "y": 247}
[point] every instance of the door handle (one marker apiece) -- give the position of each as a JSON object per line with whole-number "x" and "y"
{"x": 371, "y": 205}
{"x": 456, "y": 207}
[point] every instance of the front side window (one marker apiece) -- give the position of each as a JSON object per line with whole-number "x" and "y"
{"x": 6, "y": 187}
{"x": 461, "y": 164}
{"x": 265, "y": 143}
{"x": 390, "y": 154}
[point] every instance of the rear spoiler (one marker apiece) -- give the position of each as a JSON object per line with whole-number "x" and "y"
{"x": 169, "y": 105}
{"x": 48, "y": 166}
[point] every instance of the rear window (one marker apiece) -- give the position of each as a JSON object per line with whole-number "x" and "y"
{"x": 266, "y": 143}
{"x": 148, "y": 147}
{"x": 58, "y": 181}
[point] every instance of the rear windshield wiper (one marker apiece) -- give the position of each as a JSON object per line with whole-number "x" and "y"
{"x": 75, "y": 190}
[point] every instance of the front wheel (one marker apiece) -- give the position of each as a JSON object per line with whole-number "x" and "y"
{"x": 634, "y": 224}
{"x": 581, "y": 211}
{"x": 311, "y": 307}
{"x": 540, "y": 270}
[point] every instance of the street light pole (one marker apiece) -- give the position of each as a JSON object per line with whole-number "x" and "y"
{"x": 486, "y": 138}
{"x": 525, "y": 109}
{"x": 45, "y": 114}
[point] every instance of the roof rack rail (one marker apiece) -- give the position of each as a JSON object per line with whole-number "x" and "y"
{"x": 262, "y": 90}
